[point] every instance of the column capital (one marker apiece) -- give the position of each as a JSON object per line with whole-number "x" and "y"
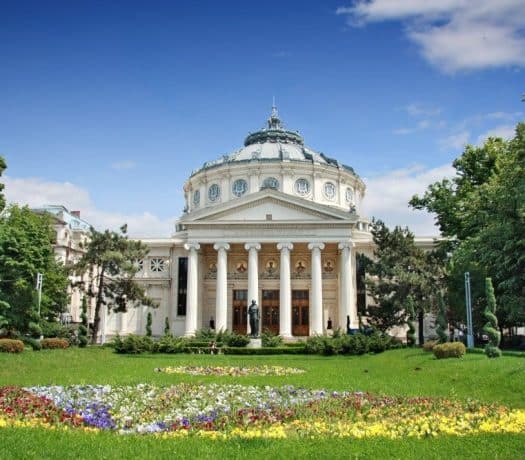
{"x": 346, "y": 245}
{"x": 284, "y": 246}
{"x": 249, "y": 246}
{"x": 193, "y": 245}
{"x": 316, "y": 245}
{"x": 219, "y": 246}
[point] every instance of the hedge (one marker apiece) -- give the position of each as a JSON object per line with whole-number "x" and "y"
{"x": 449, "y": 350}
{"x": 264, "y": 351}
{"x": 54, "y": 343}
{"x": 11, "y": 346}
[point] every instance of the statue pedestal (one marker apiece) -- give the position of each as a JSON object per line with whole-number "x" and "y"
{"x": 255, "y": 343}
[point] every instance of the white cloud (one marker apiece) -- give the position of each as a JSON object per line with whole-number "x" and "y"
{"x": 453, "y": 35}
{"x": 418, "y": 110}
{"x": 456, "y": 141}
{"x": 36, "y": 192}
{"x": 389, "y": 193}
{"x": 503, "y": 131}
{"x": 124, "y": 165}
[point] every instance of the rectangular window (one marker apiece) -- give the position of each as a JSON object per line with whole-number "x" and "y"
{"x": 182, "y": 286}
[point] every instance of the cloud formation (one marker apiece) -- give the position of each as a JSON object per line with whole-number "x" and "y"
{"x": 123, "y": 165}
{"x": 453, "y": 35}
{"x": 388, "y": 195}
{"x": 36, "y": 192}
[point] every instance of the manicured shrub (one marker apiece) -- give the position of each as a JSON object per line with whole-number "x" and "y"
{"x": 236, "y": 340}
{"x": 132, "y": 344}
{"x": 149, "y": 322}
{"x": 11, "y": 346}
{"x": 54, "y": 343}
{"x": 269, "y": 339}
{"x": 34, "y": 330}
{"x": 429, "y": 345}
{"x": 491, "y": 327}
{"x": 264, "y": 351}
{"x": 449, "y": 350}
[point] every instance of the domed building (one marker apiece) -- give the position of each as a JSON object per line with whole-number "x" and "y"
{"x": 276, "y": 222}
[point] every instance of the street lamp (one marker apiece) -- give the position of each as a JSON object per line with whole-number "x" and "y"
{"x": 468, "y": 302}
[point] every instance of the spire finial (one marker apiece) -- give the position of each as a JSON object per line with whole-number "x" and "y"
{"x": 274, "y": 122}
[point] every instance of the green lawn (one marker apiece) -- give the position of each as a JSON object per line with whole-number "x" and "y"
{"x": 397, "y": 372}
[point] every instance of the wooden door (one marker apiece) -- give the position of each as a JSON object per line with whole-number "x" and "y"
{"x": 270, "y": 311}
{"x": 300, "y": 313}
{"x": 240, "y": 312}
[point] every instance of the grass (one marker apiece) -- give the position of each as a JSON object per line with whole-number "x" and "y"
{"x": 408, "y": 372}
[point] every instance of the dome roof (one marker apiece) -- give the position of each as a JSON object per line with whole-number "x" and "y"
{"x": 274, "y": 143}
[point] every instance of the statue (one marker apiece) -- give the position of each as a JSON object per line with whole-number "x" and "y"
{"x": 253, "y": 313}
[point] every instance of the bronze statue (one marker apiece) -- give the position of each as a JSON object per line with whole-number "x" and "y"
{"x": 253, "y": 313}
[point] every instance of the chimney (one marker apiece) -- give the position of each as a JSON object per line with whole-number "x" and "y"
{"x": 76, "y": 214}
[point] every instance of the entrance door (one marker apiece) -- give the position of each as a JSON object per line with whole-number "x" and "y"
{"x": 300, "y": 313}
{"x": 240, "y": 313}
{"x": 270, "y": 311}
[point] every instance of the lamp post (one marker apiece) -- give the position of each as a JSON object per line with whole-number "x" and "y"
{"x": 39, "y": 280}
{"x": 468, "y": 302}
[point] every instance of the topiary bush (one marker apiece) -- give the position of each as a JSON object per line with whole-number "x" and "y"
{"x": 449, "y": 350}
{"x": 54, "y": 343}
{"x": 491, "y": 327}
{"x": 11, "y": 346}
{"x": 166, "y": 326}
{"x": 149, "y": 322}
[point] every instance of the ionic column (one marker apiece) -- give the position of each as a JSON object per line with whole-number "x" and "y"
{"x": 316, "y": 317}
{"x": 221, "y": 305}
{"x": 192, "y": 290}
{"x": 253, "y": 274}
{"x": 347, "y": 305}
{"x": 285, "y": 293}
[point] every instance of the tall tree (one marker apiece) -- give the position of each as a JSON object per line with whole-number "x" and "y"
{"x": 399, "y": 270}
{"x": 482, "y": 208}
{"x": 26, "y": 249}
{"x": 3, "y": 167}
{"x": 111, "y": 257}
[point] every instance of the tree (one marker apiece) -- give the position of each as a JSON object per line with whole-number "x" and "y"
{"x": 111, "y": 258}
{"x": 26, "y": 249}
{"x": 491, "y": 327}
{"x": 83, "y": 328}
{"x": 442, "y": 320}
{"x": 3, "y": 167}
{"x": 400, "y": 269}
{"x": 411, "y": 332}
{"x": 482, "y": 210}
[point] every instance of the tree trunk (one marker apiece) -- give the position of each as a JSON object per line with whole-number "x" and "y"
{"x": 421, "y": 335}
{"x": 98, "y": 306}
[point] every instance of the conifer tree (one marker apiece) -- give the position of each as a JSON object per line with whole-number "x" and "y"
{"x": 166, "y": 326}
{"x": 491, "y": 327}
{"x": 149, "y": 322}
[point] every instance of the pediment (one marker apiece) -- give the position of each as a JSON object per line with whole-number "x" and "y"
{"x": 268, "y": 205}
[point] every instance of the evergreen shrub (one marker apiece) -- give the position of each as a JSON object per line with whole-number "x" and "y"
{"x": 449, "y": 350}
{"x": 132, "y": 344}
{"x": 236, "y": 340}
{"x": 33, "y": 343}
{"x": 54, "y": 343}
{"x": 11, "y": 346}
{"x": 269, "y": 339}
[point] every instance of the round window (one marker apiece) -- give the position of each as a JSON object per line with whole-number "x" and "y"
{"x": 196, "y": 197}
{"x": 302, "y": 187}
{"x": 349, "y": 195}
{"x": 240, "y": 187}
{"x": 329, "y": 191}
{"x": 214, "y": 192}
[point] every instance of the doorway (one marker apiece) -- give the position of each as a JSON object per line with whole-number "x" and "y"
{"x": 240, "y": 312}
{"x": 300, "y": 313}
{"x": 270, "y": 311}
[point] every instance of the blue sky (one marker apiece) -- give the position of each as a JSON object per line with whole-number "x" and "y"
{"x": 106, "y": 107}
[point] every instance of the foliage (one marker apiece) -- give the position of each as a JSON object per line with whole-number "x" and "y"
{"x": 442, "y": 320}
{"x": 357, "y": 344}
{"x": 83, "y": 327}
{"x": 482, "y": 210}
{"x": 263, "y": 351}
{"x": 149, "y": 322}
{"x": 132, "y": 344}
{"x": 26, "y": 249}
{"x": 111, "y": 257}
{"x": 429, "y": 345}
{"x": 33, "y": 343}
{"x": 205, "y": 334}
{"x": 11, "y": 346}
{"x": 169, "y": 344}
{"x": 236, "y": 340}
{"x": 449, "y": 350}
{"x": 491, "y": 327}
{"x": 34, "y": 330}
{"x": 166, "y": 326}
{"x": 269, "y": 339}
{"x": 54, "y": 343}
{"x": 411, "y": 332}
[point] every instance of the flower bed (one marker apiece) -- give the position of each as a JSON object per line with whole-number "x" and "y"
{"x": 241, "y": 411}
{"x": 233, "y": 371}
